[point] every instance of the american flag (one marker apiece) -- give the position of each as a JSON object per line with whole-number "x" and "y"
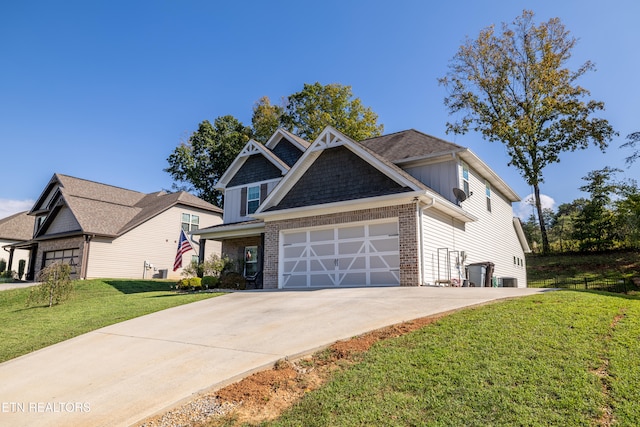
{"x": 183, "y": 247}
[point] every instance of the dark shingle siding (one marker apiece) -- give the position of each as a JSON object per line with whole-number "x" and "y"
{"x": 287, "y": 152}
{"x": 255, "y": 169}
{"x": 338, "y": 175}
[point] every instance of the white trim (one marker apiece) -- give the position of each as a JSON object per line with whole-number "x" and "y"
{"x": 366, "y": 253}
{"x": 251, "y": 147}
{"x": 329, "y": 138}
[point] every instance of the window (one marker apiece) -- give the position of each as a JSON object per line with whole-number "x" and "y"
{"x": 66, "y": 256}
{"x": 253, "y": 199}
{"x": 190, "y": 222}
{"x": 250, "y": 260}
{"x": 488, "y": 191}
{"x": 465, "y": 179}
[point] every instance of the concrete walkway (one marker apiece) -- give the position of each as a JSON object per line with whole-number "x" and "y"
{"x": 120, "y": 374}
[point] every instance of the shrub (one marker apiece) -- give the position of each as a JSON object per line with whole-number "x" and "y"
{"x": 21, "y": 265}
{"x": 210, "y": 282}
{"x": 232, "y": 281}
{"x": 196, "y": 283}
{"x": 56, "y": 285}
{"x": 189, "y": 284}
{"x": 3, "y": 265}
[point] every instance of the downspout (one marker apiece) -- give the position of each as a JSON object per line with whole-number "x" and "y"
{"x": 420, "y": 212}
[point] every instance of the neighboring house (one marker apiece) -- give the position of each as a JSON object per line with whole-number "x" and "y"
{"x": 17, "y": 228}
{"x": 111, "y": 232}
{"x": 402, "y": 209}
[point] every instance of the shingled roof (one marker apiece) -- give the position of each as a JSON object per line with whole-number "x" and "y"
{"x": 17, "y": 227}
{"x": 409, "y": 144}
{"x": 106, "y": 210}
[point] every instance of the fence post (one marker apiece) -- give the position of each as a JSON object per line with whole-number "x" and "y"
{"x": 586, "y": 284}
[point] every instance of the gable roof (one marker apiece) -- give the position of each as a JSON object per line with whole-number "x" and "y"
{"x": 106, "y": 210}
{"x": 302, "y": 144}
{"x": 17, "y": 227}
{"x": 250, "y": 149}
{"x": 411, "y": 145}
{"x": 396, "y": 182}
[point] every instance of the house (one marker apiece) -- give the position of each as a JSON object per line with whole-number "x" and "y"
{"x": 402, "y": 209}
{"x": 112, "y": 232}
{"x": 16, "y": 228}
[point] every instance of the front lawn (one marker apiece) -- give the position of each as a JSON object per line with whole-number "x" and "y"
{"x": 562, "y": 358}
{"x": 92, "y": 305}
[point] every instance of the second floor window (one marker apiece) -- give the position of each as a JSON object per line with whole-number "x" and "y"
{"x": 253, "y": 199}
{"x": 190, "y": 222}
{"x": 488, "y": 191}
{"x": 465, "y": 178}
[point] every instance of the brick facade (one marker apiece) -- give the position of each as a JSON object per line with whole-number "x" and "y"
{"x": 234, "y": 248}
{"x": 408, "y": 239}
{"x": 61, "y": 244}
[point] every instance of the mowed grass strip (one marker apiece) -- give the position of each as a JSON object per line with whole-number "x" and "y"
{"x": 559, "y": 358}
{"x": 92, "y": 305}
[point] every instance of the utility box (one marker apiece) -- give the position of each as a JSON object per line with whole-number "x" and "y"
{"x": 510, "y": 282}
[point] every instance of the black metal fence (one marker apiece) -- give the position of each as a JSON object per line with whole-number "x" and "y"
{"x": 619, "y": 285}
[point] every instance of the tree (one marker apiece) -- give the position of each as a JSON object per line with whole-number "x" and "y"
{"x": 632, "y": 140}
{"x": 515, "y": 88}
{"x": 201, "y": 161}
{"x": 316, "y": 106}
{"x": 56, "y": 285}
{"x": 627, "y": 215}
{"x": 266, "y": 119}
{"x": 563, "y": 225}
{"x": 594, "y": 226}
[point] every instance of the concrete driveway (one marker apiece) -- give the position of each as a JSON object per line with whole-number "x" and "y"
{"x": 121, "y": 374}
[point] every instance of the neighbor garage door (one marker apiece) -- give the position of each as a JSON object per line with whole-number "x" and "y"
{"x": 363, "y": 254}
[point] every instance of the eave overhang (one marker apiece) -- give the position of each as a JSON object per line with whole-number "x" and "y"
{"x": 229, "y": 231}
{"x": 424, "y": 197}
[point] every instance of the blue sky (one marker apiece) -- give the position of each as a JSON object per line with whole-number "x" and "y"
{"x": 105, "y": 90}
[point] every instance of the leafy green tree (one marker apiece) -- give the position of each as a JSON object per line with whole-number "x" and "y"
{"x": 628, "y": 216}
{"x": 55, "y": 286}
{"x": 317, "y": 106}
{"x": 200, "y": 162}
{"x": 515, "y": 88}
{"x": 562, "y": 226}
{"x": 595, "y": 226}
{"x": 266, "y": 119}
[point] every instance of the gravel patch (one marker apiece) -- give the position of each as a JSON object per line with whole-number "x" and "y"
{"x": 194, "y": 412}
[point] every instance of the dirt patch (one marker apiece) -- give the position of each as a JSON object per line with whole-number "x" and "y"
{"x": 265, "y": 395}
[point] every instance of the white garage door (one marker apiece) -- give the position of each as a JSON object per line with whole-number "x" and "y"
{"x": 349, "y": 255}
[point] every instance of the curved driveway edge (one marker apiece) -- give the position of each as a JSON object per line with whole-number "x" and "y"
{"x": 123, "y": 373}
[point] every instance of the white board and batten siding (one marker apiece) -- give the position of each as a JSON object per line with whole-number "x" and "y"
{"x": 155, "y": 241}
{"x": 233, "y": 200}
{"x": 492, "y": 238}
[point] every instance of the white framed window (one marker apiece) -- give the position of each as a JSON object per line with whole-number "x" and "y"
{"x": 253, "y": 199}
{"x": 488, "y": 193}
{"x": 465, "y": 179}
{"x": 190, "y": 222}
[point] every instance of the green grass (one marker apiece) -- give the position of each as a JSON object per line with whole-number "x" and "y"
{"x": 559, "y": 358}
{"x": 614, "y": 264}
{"x": 92, "y": 305}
